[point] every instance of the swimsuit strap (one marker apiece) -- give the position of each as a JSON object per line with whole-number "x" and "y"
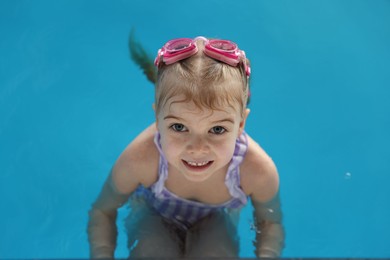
{"x": 233, "y": 179}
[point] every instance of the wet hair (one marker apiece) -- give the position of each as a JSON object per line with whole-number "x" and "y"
{"x": 207, "y": 82}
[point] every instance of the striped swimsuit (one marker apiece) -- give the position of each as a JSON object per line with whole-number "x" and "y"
{"x": 185, "y": 212}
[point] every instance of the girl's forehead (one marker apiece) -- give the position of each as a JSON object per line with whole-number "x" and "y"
{"x": 179, "y": 105}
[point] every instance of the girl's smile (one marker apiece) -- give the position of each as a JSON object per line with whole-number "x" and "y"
{"x": 197, "y": 166}
{"x": 196, "y": 171}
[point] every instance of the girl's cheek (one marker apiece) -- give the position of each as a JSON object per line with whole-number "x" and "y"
{"x": 171, "y": 144}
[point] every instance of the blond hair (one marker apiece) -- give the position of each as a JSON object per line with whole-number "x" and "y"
{"x": 205, "y": 81}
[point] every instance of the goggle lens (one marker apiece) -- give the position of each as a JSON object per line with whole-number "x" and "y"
{"x": 178, "y": 45}
{"x": 225, "y": 46}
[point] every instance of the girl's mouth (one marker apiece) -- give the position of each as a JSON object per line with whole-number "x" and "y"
{"x": 197, "y": 166}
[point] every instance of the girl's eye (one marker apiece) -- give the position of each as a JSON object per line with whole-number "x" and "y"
{"x": 178, "y": 127}
{"x": 218, "y": 130}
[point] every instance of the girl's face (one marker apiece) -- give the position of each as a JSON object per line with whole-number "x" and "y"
{"x": 198, "y": 142}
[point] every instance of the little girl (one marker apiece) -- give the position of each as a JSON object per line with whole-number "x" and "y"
{"x": 189, "y": 173}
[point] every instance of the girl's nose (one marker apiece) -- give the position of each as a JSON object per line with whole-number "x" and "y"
{"x": 197, "y": 144}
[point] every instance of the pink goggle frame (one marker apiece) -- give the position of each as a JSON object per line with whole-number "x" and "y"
{"x": 222, "y": 50}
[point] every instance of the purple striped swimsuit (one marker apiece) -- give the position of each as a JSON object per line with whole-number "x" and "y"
{"x": 186, "y": 212}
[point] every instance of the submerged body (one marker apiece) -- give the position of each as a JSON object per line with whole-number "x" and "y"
{"x": 193, "y": 156}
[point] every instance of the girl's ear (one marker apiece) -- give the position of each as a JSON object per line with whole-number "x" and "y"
{"x": 243, "y": 121}
{"x": 154, "y": 107}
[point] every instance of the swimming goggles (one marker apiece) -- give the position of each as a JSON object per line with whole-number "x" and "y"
{"x": 221, "y": 50}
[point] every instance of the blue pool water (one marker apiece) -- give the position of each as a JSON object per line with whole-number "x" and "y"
{"x": 71, "y": 100}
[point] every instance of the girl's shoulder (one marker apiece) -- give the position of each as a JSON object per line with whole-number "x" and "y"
{"x": 259, "y": 175}
{"x": 138, "y": 163}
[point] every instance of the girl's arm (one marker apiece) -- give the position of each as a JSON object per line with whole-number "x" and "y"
{"x": 260, "y": 180}
{"x": 102, "y": 230}
{"x": 137, "y": 165}
{"x": 270, "y": 232}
